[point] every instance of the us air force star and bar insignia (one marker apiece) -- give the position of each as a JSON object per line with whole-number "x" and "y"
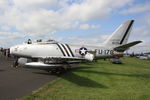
{"x": 83, "y": 51}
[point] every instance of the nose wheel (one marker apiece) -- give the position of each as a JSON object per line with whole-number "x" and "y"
{"x": 15, "y": 63}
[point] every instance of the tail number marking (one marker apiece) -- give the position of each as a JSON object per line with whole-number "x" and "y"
{"x": 105, "y": 52}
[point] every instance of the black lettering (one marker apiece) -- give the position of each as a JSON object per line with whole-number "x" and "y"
{"x": 111, "y": 52}
{"x": 100, "y": 51}
{"x": 107, "y": 52}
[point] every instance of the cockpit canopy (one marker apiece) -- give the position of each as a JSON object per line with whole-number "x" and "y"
{"x": 51, "y": 41}
{"x": 40, "y": 41}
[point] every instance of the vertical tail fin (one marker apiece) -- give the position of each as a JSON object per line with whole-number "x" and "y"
{"x": 120, "y": 35}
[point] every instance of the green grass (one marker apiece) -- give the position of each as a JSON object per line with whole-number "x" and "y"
{"x": 100, "y": 81}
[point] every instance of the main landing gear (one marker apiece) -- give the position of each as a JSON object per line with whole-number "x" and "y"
{"x": 59, "y": 70}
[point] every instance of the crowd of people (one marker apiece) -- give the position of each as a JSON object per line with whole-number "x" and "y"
{"x": 5, "y": 52}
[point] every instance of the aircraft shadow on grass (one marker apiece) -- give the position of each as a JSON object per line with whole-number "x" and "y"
{"x": 82, "y": 81}
{"x": 119, "y": 74}
{"x": 78, "y": 80}
{"x": 86, "y": 82}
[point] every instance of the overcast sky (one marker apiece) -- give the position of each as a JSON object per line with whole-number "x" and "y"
{"x": 72, "y": 21}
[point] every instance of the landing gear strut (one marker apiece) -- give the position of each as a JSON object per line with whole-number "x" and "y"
{"x": 58, "y": 70}
{"x": 15, "y": 63}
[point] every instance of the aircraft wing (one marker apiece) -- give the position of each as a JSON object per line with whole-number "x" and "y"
{"x": 41, "y": 65}
{"x": 88, "y": 57}
{"x": 58, "y": 58}
{"x": 54, "y": 62}
{"x": 124, "y": 47}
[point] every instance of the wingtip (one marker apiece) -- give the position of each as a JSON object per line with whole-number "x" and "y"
{"x": 140, "y": 41}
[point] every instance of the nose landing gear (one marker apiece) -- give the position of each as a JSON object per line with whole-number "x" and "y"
{"x": 15, "y": 63}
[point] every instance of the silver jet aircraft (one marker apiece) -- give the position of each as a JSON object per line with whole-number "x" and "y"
{"x": 53, "y": 55}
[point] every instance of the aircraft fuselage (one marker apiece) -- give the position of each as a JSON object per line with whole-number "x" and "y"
{"x": 58, "y": 49}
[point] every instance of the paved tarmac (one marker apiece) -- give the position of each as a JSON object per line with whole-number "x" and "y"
{"x": 15, "y": 83}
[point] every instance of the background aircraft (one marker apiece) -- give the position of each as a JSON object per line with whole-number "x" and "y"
{"x": 52, "y": 55}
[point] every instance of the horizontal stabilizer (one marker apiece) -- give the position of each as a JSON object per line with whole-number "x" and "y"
{"x": 124, "y": 47}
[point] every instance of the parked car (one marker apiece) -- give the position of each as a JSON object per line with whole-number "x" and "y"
{"x": 143, "y": 57}
{"x": 116, "y": 61}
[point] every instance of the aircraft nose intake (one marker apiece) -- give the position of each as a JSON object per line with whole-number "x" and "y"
{"x": 12, "y": 50}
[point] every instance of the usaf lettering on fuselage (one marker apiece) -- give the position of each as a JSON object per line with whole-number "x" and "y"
{"x": 104, "y": 52}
